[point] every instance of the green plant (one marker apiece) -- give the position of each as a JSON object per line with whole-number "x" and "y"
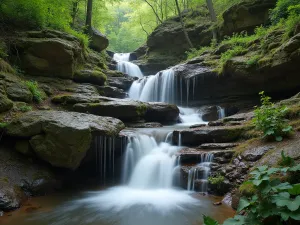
{"x": 253, "y": 61}
{"x": 269, "y": 118}
{"x": 217, "y": 180}
{"x": 286, "y": 160}
{"x": 3, "y": 125}
{"x": 25, "y": 108}
{"x": 273, "y": 202}
{"x": 192, "y": 53}
{"x": 34, "y": 89}
{"x": 281, "y": 11}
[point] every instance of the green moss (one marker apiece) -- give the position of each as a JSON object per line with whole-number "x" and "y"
{"x": 244, "y": 146}
{"x": 141, "y": 109}
{"x": 253, "y": 61}
{"x": 5, "y": 67}
{"x": 217, "y": 180}
{"x": 3, "y": 125}
{"x": 4, "y": 179}
{"x": 247, "y": 189}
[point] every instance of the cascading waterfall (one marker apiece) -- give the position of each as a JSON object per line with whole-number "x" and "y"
{"x": 155, "y": 88}
{"x": 148, "y": 164}
{"x": 200, "y": 173}
{"x": 127, "y": 67}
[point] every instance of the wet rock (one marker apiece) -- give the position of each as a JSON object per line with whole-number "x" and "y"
{"x": 216, "y": 123}
{"x": 197, "y": 125}
{"x": 218, "y": 145}
{"x": 194, "y": 137}
{"x": 121, "y": 82}
{"x": 235, "y": 198}
{"x": 9, "y": 198}
{"x": 99, "y": 41}
{"x": 239, "y": 117}
{"x": 90, "y": 76}
{"x": 15, "y": 171}
{"x": 256, "y": 153}
{"x": 221, "y": 188}
{"x": 161, "y": 112}
{"x": 62, "y": 138}
{"x": 129, "y": 110}
{"x": 210, "y": 113}
{"x": 112, "y": 92}
{"x": 1, "y": 213}
{"x": 144, "y": 125}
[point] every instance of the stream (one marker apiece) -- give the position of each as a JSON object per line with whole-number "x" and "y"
{"x": 147, "y": 193}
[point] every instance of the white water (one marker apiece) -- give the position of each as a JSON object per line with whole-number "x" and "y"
{"x": 127, "y": 67}
{"x": 155, "y": 88}
{"x": 200, "y": 173}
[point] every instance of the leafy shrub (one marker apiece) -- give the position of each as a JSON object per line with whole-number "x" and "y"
{"x": 237, "y": 50}
{"x": 192, "y": 53}
{"x": 272, "y": 202}
{"x": 269, "y": 119}
{"x": 3, "y": 125}
{"x": 293, "y": 20}
{"x": 281, "y": 11}
{"x": 34, "y": 89}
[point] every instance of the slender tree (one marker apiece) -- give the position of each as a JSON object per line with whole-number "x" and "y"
{"x": 183, "y": 26}
{"x": 89, "y": 13}
{"x": 213, "y": 17}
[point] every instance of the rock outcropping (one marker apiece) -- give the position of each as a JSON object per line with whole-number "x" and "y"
{"x": 62, "y": 138}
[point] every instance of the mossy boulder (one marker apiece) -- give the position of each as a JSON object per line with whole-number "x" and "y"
{"x": 5, "y": 103}
{"x": 99, "y": 41}
{"x": 48, "y": 53}
{"x": 90, "y": 76}
{"x": 62, "y": 138}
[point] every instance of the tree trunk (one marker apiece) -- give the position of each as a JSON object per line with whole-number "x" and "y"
{"x": 154, "y": 11}
{"x": 213, "y": 17}
{"x": 74, "y": 11}
{"x": 89, "y": 13}
{"x": 183, "y": 26}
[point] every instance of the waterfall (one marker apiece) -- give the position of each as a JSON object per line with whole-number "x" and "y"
{"x": 155, "y": 88}
{"x": 221, "y": 112}
{"x": 148, "y": 164}
{"x": 200, "y": 173}
{"x": 127, "y": 67}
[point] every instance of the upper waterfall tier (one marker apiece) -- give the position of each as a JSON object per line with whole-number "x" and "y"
{"x": 127, "y": 67}
{"x": 155, "y": 88}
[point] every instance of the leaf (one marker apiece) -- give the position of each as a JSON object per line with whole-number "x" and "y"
{"x": 278, "y": 138}
{"x": 287, "y": 129}
{"x": 295, "y": 168}
{"x": 209, "y": 221}
{"x": 283, "y": 199}
{"x": 283, "y": 186}
{"x": 257, "y": 182}
{"x": 237, "y": 220}
{"x": 244, "y": 203}
{"x": 262, "y": 168}
{"x": 295, "y": 190}
{"x": 270, "y": 132}
{"x": 272, "y": 171}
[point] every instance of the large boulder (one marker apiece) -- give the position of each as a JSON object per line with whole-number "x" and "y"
{"x": 246, "y": 16}
{"x": 161, "y": 112}
{"x": 62, "y": 138}
{"x": 49, "y": 53}
{"x": 90, "y": 76}
{"x": 99, "y": 41}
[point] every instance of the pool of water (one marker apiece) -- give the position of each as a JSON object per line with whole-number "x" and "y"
{"x": 119, "y": 206}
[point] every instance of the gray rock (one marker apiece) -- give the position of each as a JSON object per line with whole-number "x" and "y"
{"x": 256, "y": 153}
{"x": 218, "y": 145}
{"x": 99, "y": 41}
{"x": 62, "y": 138}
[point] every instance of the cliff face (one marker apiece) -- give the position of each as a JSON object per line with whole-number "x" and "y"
{"x": 167, "y": 46}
